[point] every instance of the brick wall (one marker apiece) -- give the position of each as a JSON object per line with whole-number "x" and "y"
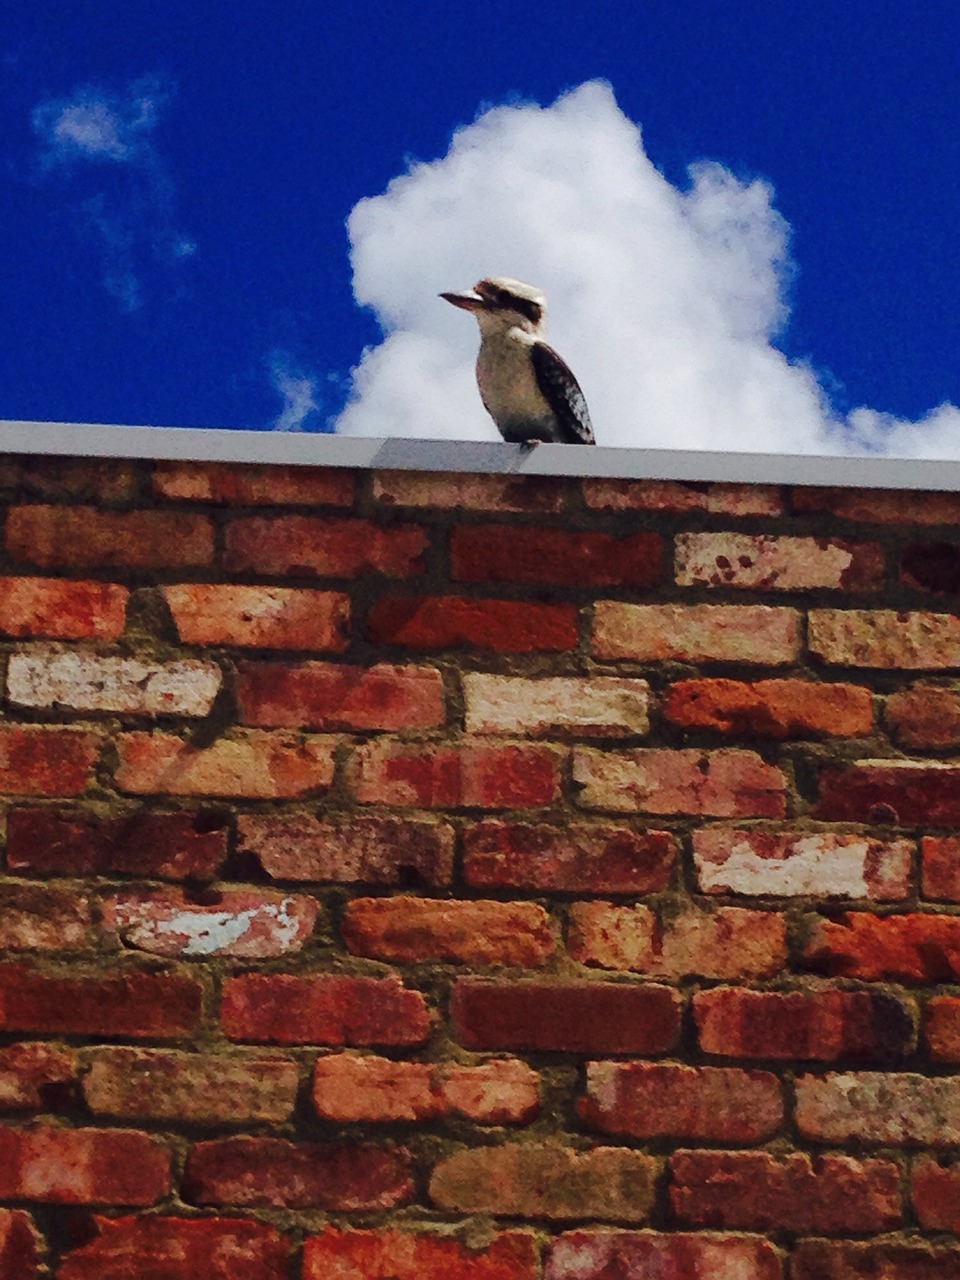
{"x": 421, "y": 877}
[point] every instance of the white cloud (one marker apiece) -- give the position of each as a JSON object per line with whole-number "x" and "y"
{"x": 665, "y": 302}
{"x": 297, "y": 390}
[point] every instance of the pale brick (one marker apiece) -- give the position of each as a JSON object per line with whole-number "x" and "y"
{"x": 677, "y": 497}
{"x": 885, "y": 639}
{"x": 259, "y": 617}
{"x": 256, "y": 766}
{"x": 770, "y": 562}
{"x": 234, "y": 922}
{"x": 82, "y": 681}
{"x": 601, "y": 707}
{"x": 720, "y": 784}
{"x": 797, "y": 864}
{"x": 35, "y": 917}
{"x": 651, "y": 1255}
{"x": 880, "y": 1108}
{"x": 760, "y": 634}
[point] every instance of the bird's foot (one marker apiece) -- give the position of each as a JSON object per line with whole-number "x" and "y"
{"x": 529, "y": 444}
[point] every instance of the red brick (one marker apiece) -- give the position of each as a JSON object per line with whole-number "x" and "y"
{"x": 610, "y": 1255}
{"x": 322, "y": 1009}
{"x": 935, "y": 1192}
{"x": 880, "y": 506}
{"x": 453, "y": 622}
{"x": 770, "y": 562}
{"x": 19, "y": 1246}
{"x": 940, "y": 867}
{"x": 259, "y": 617}
{"x": 327, "y": 695}
{"x": 669, "y": 1100}
{"x": 455, "y": 491}
{"x": 39, "y": 761}
{"x": 87, "y": 537}
{"x": 893, "y": 1259}
{"x": 755, "y": 1191}
{"x": 256, "y": 765}
{"x": 569, "y": 1017}
{"x": 37, "y": 917}
{"x": 177, "y": 846}
{"x": 924, "y": 716}
{"x": 102, "y": 480}
{"x": 350, "y": 1087}
{"x": 823, "y": 1025}
{"x": 232, "y": 922}
{"x": 61, "y": 609}
{"x": 190, "y": 1088}
{"x": 517, "y": 553}
{"x": 254, "y": 484}
{"x": 908, "y": 948}
{"x": 271, "y": 1172}
{"x": 469, "y": 774}
{"x": 759, "y": 634}
{"x": 388, "y": 1254}
{"x": 36, "y": 1077}
{"x": 598, "y": 707}
{"x": 410, "y": 929}
{"x": 382, "y": 851}
{"x": 162, "y": 1248}
{"x": 906, "y": 792}
{"x": 771, "y": 708}
{"x": 546, "y": 1180}
{"x": 718, "y": 784}
{"x": 931, "y": 566}
{"x": 676, "y": 497}
{"x": 82, "y": 1166}
{"x": 884, "y": 638}
{"x": 942, "y": 1028}
{"x": 577, "y": 858}
{"x": 728, "y": 942}
{"x": 136, "y": 1005}
{"x": 323, "y": 546}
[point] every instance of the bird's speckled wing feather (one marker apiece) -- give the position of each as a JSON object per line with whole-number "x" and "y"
{"x": 562, "y": 392}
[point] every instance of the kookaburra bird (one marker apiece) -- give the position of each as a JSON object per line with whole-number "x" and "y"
{"x": 524, "y": 385}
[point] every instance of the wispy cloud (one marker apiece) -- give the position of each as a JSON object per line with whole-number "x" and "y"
{"x": 298, "y": 392}
{"x": 667, "y": 302}
{"x": 101, "y": 144}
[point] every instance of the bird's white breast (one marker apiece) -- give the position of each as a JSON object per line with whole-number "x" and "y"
{"x": 507, "y": 382}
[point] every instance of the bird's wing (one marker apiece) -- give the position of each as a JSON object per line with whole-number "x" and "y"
{"x": 562, "y": 392}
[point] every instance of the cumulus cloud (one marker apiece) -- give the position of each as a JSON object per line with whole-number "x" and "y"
{"x": 101, "y": 145}
{"x": 665, "y": 302}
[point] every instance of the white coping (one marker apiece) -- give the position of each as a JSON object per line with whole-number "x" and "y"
{"x": 308, "y": 449}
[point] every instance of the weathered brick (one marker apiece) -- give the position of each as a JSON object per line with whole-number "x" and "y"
{"x": 322, "y": 1009}
{"x": 884, "y": 638}
{"x": 578, "y": 858}
{"x": 801, "y": 863}
{"x": 879, "y": 1108}
{"x": 905, "y": 948}
{"x": 455, "y": 491}
{"x": 728, "y": 942}
{"x": 456, "y": 622}
{"x": 880, "y": 506}
{"x": 61, "y": 609}
{"x": 931, "y": 566}
{"x": 135, "y": 1005}
{"x": 905, "y": 792}
{"x": 327, "y": 695}
{"x": 80, "y": 681}
{"x": 755, "y": 1191}
{"x": 36, "y": 1077}
{"x": 481, "y": 774}
{"x": 82, "y": 1166}
{"x": 517, "y": 553}
{"x": 190, "y": 1088}
{"x": 87, "y": 537}
{"x": 408, "y": 929}
{"x": 634, "y": 1255}
{"x": 40, "y": 761}
{"x": 231, "y": 922}
{"x": 571, "y": 1017}
{"x": 771, "y": 562}
{"x": 388, "y": 1254}
{"x": 259, "y": 617}
{"x": 596, "y": 707}
{"x": 822, "y": 1025}
{"x": 940, "y": 867}
{"x": 165, "y": 1248}
{"x": 70, "y": 842}
{"x": 103, "y": 480}
{"x": 761, "y": 634}
{"x": 256, "y": 765}
{"x": 323, "y": 546}
{"x": 37, "y": 917}
{"x": 670, "y": 1100}
{"x": 19, "y": 1246}
{"x": 849, "y": 1260}
{"x": 719, "y": 784}
{"x": 935, "y": 1193}
{"x": 350, "y": 1087}
{"x": 363, "y": 850}
{"x": 924, "y": 716}
{"x": 254, "y": 484}
{"x": 676, "y": 497}
{"x": 271, "y": 1172}
{"x": 771, "y": 708}
{"x": 941, "y": 1028}
{"x": 546, "y": 1180}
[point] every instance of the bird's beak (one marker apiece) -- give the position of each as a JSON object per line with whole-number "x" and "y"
{"x": 468, "y": 300}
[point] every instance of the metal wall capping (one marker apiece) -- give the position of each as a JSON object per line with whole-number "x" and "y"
{"x": 306, "y": 449}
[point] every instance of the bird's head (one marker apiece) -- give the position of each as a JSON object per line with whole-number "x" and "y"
{"x": 501, "y": 303}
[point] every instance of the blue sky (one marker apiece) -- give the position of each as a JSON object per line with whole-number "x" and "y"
{"x": 179, "y": 179}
